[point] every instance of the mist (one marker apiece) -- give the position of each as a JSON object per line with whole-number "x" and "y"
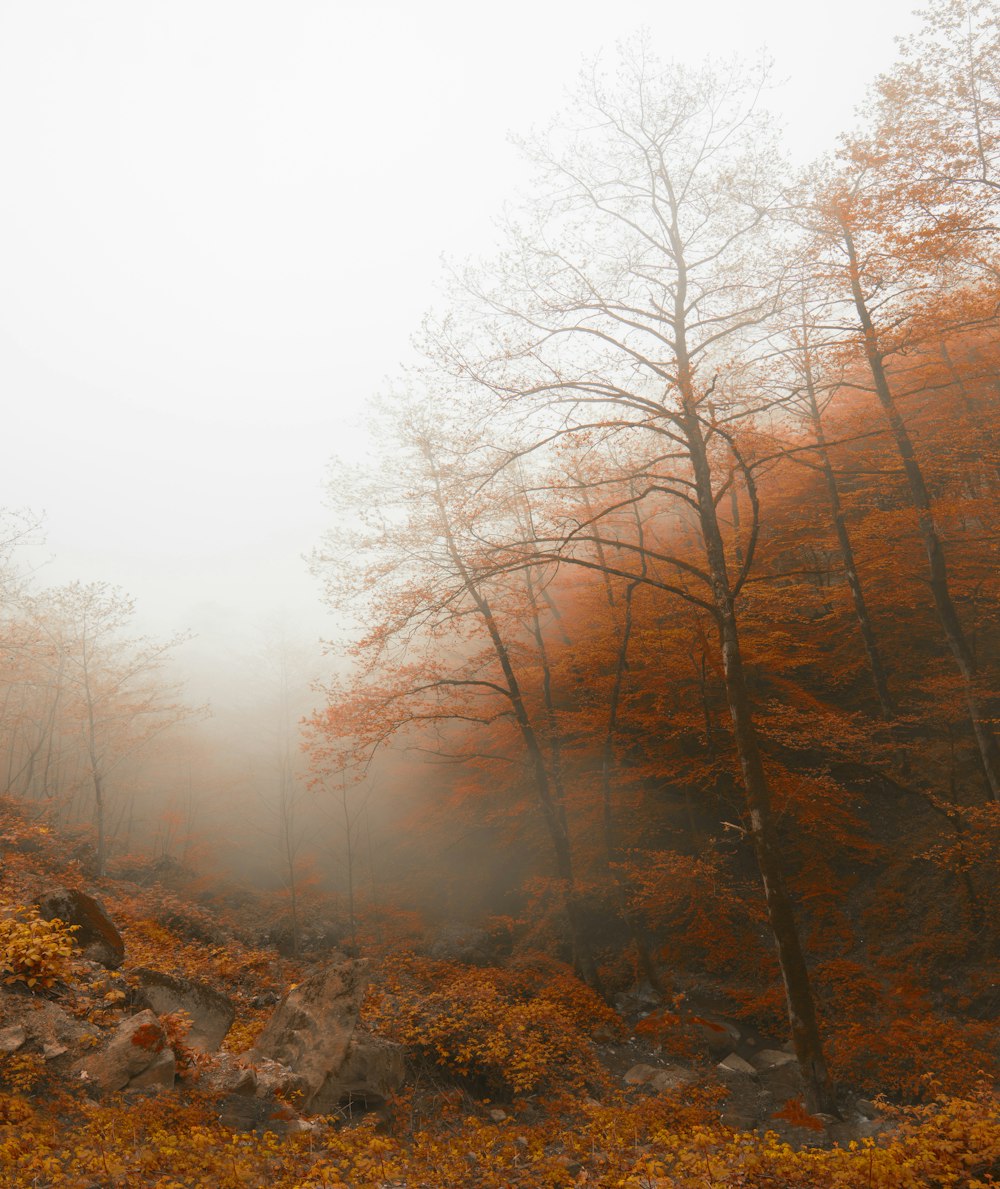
{"x": 224, "y": 225}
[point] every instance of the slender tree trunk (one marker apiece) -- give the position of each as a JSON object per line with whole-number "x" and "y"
{"x": 608, "y": 765}
{"x": 97, "y": 781}
{"x": 875, "y": 663}
{"x": 553, "y": 812}
{"x": 920, "y": 496}
{"x": 288, "y": 846}
{"x": 349, "y": 856}
{"x": 781, "y": 917}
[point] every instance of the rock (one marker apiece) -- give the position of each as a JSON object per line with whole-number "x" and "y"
{"x": 373, "y": 1069}
{"x": 770, "y": 1058}
{"x": 161, "y": 1071}
{"x": 238, "y": 1079}
{"x": 458, "y": 942}
{"x": 783, "y": 1081}
{"x": 96, "y": 935}
{"x": 239, "y": 1112}
{"x": 249, "y": 1097}
{"x": 719, "y": 1036}
{"x": 136, "y": 1057}
{"x": 311, "y": 1032}
{"x": 40, "y": 1025}
{"x": 745, "y": 1104}
{"x": 735, "y": 1064}
{"x": 11, "y": 1039}
{"x": 498, "y": 1116}
{"x": 640, "y": 1075}
{"x": 670, "y": 1079}
{"x": 211, "y": 1012}
{"x": 52, "y": 1052}
{"x": 312, "y": 1026}
{"x": 867, "y": 1109}
{"x": 658, "y": 1077}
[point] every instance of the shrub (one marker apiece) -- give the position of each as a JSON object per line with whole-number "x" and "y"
{"x": 34, "y": 951}
{"x": 507, "y": 1031}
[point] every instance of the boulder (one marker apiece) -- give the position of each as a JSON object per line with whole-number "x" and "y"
{"x": 718, "y": 1036}
{"x": 211, "y": 1012}
{"x": 11, "y": 1039}
{"x": 136, "y": 1057}
{"x": 312, "y": 1033}
{"x": 783, "y": 1081}
{"x": 745, "y": 1103}
{"x": 254, "y": 1098}
{"x": 96, "y": 934}
{"x": 373, "y": 1069}
{"x": 672, "y": 1078}
{"x": 640, "y": 1075}
{"x": 658, "y": 1077}
{"x": 734, "y": 1063}
{"x": 771, "y": 1059}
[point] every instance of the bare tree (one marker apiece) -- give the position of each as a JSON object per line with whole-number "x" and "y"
{"x": 645, "y": 264}
{"x": 114, "y": 698}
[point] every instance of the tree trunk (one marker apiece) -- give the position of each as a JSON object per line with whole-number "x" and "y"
{"x": 940, "y": 587}
{"x": 875, "y": 662}
{"x": 553, "y": 811}
{"x": 781, "y": 918}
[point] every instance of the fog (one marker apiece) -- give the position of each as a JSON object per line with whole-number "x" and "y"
{"x": 221, "y": 224}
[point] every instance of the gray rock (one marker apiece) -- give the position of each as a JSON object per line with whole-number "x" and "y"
{"x": 640, "y": 1075}
{"x": 671, "y": 1078}
{"x": 659, "y": 1077}
{"x": 40, "y": 1024}
{"x": 313, "y": 1036}
{"x": 211, "y": 1012}
{"x": 718, "y": 1036}
{"x": 160, "y": 1072}
{"x": 137, "y": 1056}
{"x": 249, "y": 1096}
{"x": 770, "y": 1058}
{"x": 783, "y": 1081}
{"x": 373, "y": 1069}
{"x": 238, "y": 1079}
{"x": 96, "y": 934}
{"x": 11, "y": 1039}
{"x": 734, "y": 1063}
{"x": 312, "y": 1027}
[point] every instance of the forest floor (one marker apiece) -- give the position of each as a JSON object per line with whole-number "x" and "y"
{"x": 517, "y": 1076}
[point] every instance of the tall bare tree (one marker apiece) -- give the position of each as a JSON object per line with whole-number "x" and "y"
{"x": 645, "y": 265}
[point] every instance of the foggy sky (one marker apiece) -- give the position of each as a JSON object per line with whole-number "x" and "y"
{"x": 221, "y": 222}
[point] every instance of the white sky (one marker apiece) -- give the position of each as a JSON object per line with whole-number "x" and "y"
{"x": 221, "y": 220}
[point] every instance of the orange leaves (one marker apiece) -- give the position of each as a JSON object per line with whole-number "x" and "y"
{"x": 795, "y": 1113}
{"x": 507, "y": 1031}
{"x": 706, "y": 917}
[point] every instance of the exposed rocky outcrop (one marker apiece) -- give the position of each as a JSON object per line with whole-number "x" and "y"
{"x": 136, "y": 1057}
{"x": 373, "y": 1069}
{"x": 313, "y": 1034}
{"x": 96, "y": 934}
{"x": 34, "y": 1025}
{"x": 211, "y": 1012}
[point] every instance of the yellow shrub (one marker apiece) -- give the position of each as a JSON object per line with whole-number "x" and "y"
{"x": 33, "y": 951}
{"x": 499, "y": 1028}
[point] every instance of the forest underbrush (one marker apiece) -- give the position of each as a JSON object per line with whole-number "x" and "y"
{"x": 518, "y": 1074}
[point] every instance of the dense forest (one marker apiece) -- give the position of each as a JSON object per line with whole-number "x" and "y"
{"x": 649, "y": 809}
